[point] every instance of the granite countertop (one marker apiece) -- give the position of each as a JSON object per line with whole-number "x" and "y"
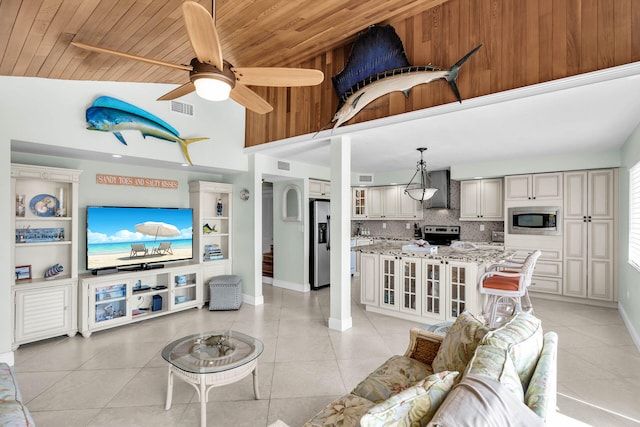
{"x": 477, "y": 255}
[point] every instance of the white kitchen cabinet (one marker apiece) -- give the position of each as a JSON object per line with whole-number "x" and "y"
{"x": 400, "y": 283}
{"x": 547, "y": 273}
{"x": 45, "y": 224}
{"x": 359, "y": 203}
{"x": 369, "y": 279}
{"x": 387, "y": 202}
{"x": 433, "y": 289}
{"x": 590, "y": 227}
{"x": 319, "y": 189}
{"x": 542, "y": 186}
{"x": 481, "y": 200}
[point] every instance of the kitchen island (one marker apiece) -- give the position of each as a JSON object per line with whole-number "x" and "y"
{"x": 422, "y": 286}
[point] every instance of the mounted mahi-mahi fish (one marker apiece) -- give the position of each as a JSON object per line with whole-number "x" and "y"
{"x": 108, "y": 114}
{"x": 377, "y": 66}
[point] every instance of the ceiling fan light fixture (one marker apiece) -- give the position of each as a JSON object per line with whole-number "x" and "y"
{"x": 212, "y": 88}
{"x": 424, "y": 191}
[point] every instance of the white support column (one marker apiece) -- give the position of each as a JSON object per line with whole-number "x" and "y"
{"x": 340, "y": 234}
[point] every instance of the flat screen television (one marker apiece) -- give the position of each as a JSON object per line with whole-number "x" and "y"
{"x": 124, "y": 237}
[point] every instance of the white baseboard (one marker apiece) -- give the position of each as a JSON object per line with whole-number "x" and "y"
{"x": 250, "y": 299}
{"x": 291, "y": 286}
{"x": 340, "y": 324}
{"x": 634, "y": 334}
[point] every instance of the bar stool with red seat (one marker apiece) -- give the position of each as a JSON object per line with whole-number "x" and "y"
{"x": 506, "y": 285}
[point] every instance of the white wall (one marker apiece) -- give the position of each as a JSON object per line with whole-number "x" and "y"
{"x": 290, "y": 251}
{"x": 629, "y": 291}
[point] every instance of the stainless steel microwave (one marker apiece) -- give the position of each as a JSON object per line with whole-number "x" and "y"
{"x": 543, "y": 220}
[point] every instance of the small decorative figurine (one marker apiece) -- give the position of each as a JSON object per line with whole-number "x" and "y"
{"x": 53, "y": 271}
{"x": 219, "y": 207}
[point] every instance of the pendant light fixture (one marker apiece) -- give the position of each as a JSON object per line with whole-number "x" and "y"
{"x": 423, "y": 192}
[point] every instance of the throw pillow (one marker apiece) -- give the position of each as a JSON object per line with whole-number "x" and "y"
{"x": 393, "y": 376}
{"x": 522, "y": 336}
{"x": 345, "y": 411}
{"x": 412, "y": 407}
{"x": 494, "y": 362}
{"x": 480, "y": 401}
{"x": 459, "y": 344}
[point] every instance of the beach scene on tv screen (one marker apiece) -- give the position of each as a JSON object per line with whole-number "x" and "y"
{"x": 119, "y": 236}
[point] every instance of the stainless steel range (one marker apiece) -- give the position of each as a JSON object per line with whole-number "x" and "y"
{"x": 441, "y": 235}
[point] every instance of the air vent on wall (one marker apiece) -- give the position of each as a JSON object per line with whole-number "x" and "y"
{"x": 181, "y": 108}
{"x": 365, "y": 179}
{"x": 284, "y": 166}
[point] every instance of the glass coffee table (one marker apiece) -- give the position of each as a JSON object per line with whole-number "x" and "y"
{"x": 212, "y": 359}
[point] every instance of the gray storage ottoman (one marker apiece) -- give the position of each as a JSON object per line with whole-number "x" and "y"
{"x": 225, "y": 292}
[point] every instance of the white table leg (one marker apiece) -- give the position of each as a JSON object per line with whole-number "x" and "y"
{"x": 203, "y": 401}
{"x": 167, "y": 405}
{"x": 255, "y": 382}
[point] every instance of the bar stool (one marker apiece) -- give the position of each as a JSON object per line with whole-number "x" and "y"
{"x": 505, "y": 285}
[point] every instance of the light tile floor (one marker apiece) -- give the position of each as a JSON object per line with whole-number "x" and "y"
{"x": 118, "y": 378}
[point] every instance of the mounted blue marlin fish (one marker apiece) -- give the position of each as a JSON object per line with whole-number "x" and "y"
{"x": 109, "y": 114}
{"x": 377, "y": 66}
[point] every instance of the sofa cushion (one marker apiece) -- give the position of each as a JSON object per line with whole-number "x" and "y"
{"x": 8, "y": 387}
{"x": 393, "y": 376}
{"x": 494, "y": 362}
{"x": 343, "y": 412}
{"x": 540, "y": 395}
{"x": 522, "y": 337}
{"x": 459, "y": 344}
{"x": 481, "y": 401}
{"x": 412, "y": 407}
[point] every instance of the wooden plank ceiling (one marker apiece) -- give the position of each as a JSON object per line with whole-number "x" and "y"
{"x": 35, "y": 34}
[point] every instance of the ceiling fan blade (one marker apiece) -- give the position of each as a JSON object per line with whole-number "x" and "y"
{"x": 251, "y": 100}
{"x": 278, "y": 77}
{"x": 202, "y": 34}
{"x": 130, "y": 56}
{"x": 178, "y": 92}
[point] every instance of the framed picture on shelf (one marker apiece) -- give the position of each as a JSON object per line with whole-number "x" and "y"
{"x": 23, "y": 272}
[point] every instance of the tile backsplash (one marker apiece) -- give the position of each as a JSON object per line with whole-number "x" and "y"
{"x": 469, "y": 230}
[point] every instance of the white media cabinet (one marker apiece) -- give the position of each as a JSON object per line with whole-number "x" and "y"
{"x": 117, "y": 299}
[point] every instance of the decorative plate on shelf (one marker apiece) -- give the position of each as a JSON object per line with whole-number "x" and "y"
{"x": 44, "y": 205}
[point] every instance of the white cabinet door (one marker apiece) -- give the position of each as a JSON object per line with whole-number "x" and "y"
{"x": 601, "y": 203}
{"x": 359, "y": 203}
{"x": 517, "y": 187}
{"x": 388, "y": 282}
{"x": 546, "y": 186}
{"x": 575, "y": 259}
{"x": 407, "y": 207}
{"x": 319, "y": 188}
{"x": 369, "y": 270}
{"x": 433, "y": 289}
{"x": 461, "y": 288}
{"x": 390, "y": 202}
{"x": 491, "y": 199}
{"x": 600, "y": 271}
{"x": 575, "y": 195}
{"x": 44, "y": 312}
{"x": 410, "y": 285}
{"x": 469, "y": 199}
{"x": 375, "y": 202}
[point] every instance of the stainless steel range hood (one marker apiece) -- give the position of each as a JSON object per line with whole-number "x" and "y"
{"x": 440, "y": 200}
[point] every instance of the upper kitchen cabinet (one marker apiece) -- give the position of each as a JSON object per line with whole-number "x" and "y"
{"x": 542, "y": 186}
{"x": 319, "y": 189}
{"x": 359, "y": 203}
{"x": 481, "y": 200}
{"x": 388, "y": 202}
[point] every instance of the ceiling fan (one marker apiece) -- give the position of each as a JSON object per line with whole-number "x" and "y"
{"x": 214, "y": 78}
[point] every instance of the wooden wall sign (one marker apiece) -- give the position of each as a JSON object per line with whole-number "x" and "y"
{"x": 135, "y": 181}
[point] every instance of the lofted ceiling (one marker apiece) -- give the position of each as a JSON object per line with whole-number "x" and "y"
{"x": 593, "y": 113}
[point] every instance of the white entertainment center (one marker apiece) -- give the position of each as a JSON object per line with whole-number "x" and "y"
{"x": 46, "y": 229}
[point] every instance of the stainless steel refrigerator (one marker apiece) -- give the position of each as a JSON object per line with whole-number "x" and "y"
{"x": 319, "y": 262}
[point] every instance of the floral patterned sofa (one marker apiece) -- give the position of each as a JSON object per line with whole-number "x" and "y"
{"x": 469, "y": 377}
{"x": 12, "y": 411}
